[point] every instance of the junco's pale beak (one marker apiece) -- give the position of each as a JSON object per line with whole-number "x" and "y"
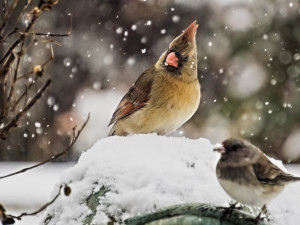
{"x": 219, "y": 148}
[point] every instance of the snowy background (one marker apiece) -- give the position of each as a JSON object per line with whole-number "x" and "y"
{"x": 249, "y": 68}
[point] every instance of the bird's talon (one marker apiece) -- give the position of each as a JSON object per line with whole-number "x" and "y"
{"x": 227, "y": 211}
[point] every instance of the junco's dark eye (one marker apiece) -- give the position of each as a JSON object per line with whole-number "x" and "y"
{"x": 185, "y": 58}
{"x": 235, "y": 147}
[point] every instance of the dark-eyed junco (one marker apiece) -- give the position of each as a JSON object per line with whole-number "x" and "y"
{"x": 248, "y": 175}
{"x": 164, "y": 96}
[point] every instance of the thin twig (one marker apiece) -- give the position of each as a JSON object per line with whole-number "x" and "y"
{"x": 6, "y": 65}
{"x": 54, "y": 35}
{"x": 27, "y": 3}
{"x": 35, "y": 79}
{"x": 9, "y": 51}
{"x": 39, "y": 210}
{"x": 74, "y": 139}
{"x": 3, "y": 39}
{"x": 16, "y": 118}
{"x": 24, "y": 93}
{"x": 16, "y": 22}
{"x": 16, "y": 72}
{"x": 21, "y": 38}
{"x": 7, "y": 15}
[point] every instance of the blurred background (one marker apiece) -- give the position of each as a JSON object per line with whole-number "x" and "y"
{"x": 248, "y": 67}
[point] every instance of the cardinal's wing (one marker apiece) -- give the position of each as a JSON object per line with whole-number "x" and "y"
{"x": 136, "y": 98}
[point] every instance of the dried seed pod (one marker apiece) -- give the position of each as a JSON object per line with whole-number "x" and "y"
{"x": 36, "y": 12}
{"x": 67, "y": 190}
{"x": 38, "y": 70}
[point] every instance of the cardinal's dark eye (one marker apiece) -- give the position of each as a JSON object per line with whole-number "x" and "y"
{"x": 170, "y": 50}
{"x": 185, "y": 58}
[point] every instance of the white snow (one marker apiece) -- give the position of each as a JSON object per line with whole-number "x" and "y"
{"x": 144, "y": 172}
{"x": 27, "y": 192}
{"x": 163, "y": 31}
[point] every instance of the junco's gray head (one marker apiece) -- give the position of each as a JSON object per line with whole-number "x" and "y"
{"x": 237, "y": 152}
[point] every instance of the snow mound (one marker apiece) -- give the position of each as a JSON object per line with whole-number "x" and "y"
{"x": 145, "y": 172}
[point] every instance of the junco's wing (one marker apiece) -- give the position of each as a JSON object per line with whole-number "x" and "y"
{"x": 268, "y": 173}
{"x": 136, "y": 98}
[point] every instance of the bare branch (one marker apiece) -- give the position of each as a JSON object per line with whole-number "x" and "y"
{"x": 9, "y": 51}
{"x": 74, "y": 139}
{"x": 7, "y": 15}
{"x": 6, "y": 65}
{"x": 35, "y": 13}
{"x": 38, "y": 72}
{"x": 16, "y": 118}
{"x": 55, "y": 35}
{"x": 16, "y": 72}
{"x": 39, "y": 210}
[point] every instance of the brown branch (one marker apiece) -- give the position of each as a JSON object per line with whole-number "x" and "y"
{"x": 16, "y": 72}
{"x": 3, "y": 72}
{"x": 9, "y": 51}
{"x": 39, "y": 210}
{"x": 27, "y": 3}
{"x": 38, "y": 75}
{"x": 74, "y": 139}
{"x": 24, "y": 93}
{"x": 52, "y": 35}
{"x": 3, "y": 39}
{"x": 6, "y": 65}
{"x": 55, "y": 35}
{"x": 16, "y": 118}
{"x": 33, "y": 71}
{"x": 7, "y": 15}
{"x": 35, "y": 15}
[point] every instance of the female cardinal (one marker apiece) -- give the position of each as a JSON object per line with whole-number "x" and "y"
{"x": 164, "y": 96}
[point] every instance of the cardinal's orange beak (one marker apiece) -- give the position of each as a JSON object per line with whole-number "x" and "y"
{"x": 190, "y": 32}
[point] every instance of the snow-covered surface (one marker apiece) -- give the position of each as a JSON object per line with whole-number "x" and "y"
{"x": 145, "y": 172}
{"x": 28, "y": 191}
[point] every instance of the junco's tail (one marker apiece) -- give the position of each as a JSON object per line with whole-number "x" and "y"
{"x": 289, "y": 178}
{"x": 295, "y": 178}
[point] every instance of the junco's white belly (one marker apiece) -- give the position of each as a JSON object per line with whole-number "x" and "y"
{"x": 250, "y": 194}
